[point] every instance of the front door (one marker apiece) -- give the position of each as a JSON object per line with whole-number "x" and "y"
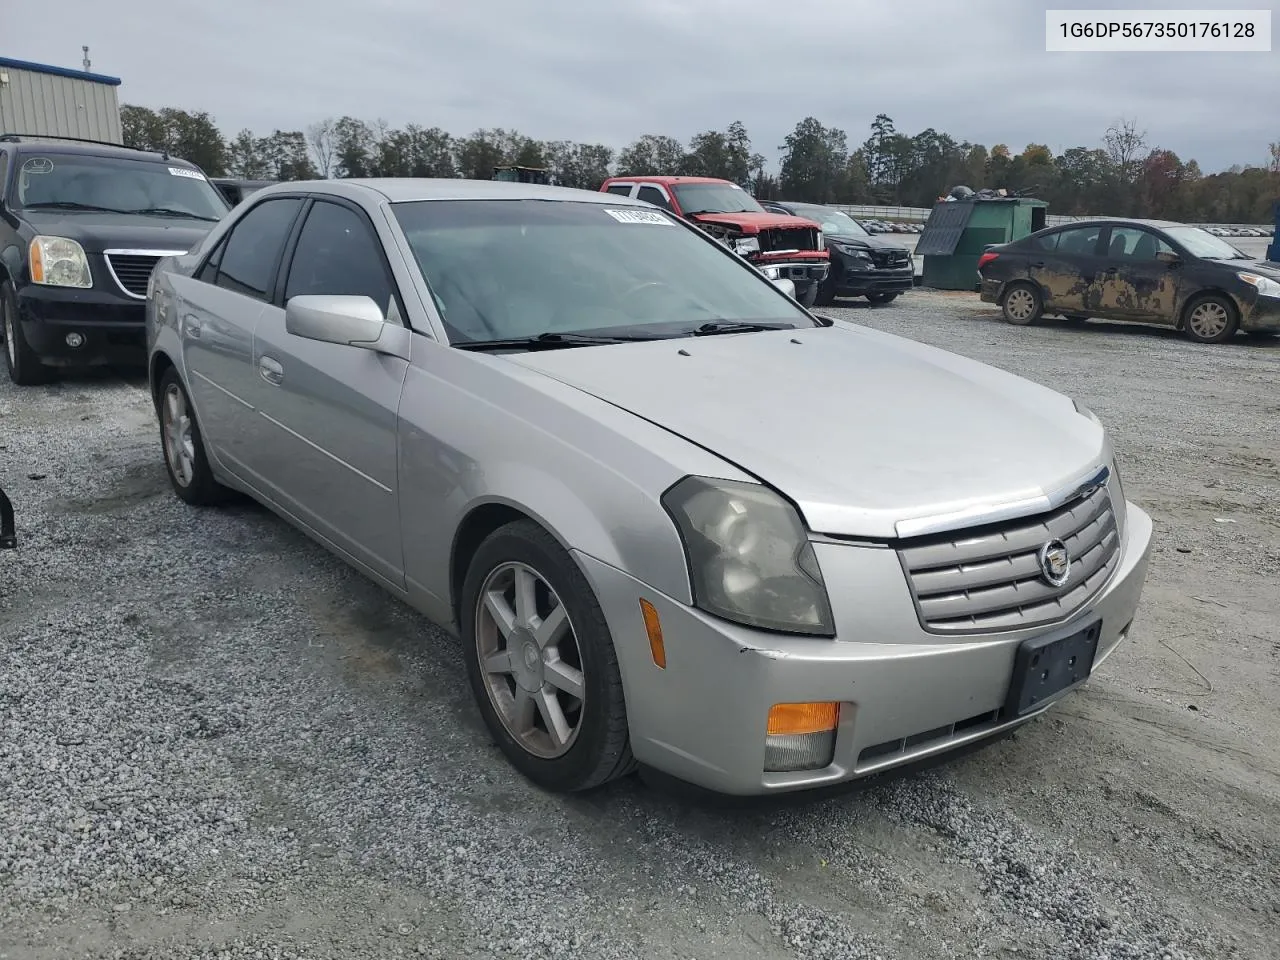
{"x": 1133, "y": 284}
{"x": 333, "y": 409}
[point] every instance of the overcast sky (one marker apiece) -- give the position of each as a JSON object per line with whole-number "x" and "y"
{"x": 599, "y": 72}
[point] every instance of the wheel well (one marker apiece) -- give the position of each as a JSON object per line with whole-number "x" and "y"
{"x": 159, "y": 364}
{"x": 477, "y": 525}
{"x": 1200, "y": 295}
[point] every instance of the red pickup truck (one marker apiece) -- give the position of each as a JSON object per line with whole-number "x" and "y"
{"x": 781, "y": 246}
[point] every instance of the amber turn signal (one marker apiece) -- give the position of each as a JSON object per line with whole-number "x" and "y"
{"x": 801, "y": 718}
{"x": 653, "y": 627}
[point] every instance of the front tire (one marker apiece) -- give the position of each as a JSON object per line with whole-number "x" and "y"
{"x": 1022, "y": 304}
{"x": 1211, "y": 318}
{"x": 541, "y": 662}
{"x": 183, "y": 446}
{"x": 24, "y": 366}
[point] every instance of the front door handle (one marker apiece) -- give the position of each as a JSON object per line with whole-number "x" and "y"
{"x": 1038, "y": 263}
{"x": 271, "y": 370}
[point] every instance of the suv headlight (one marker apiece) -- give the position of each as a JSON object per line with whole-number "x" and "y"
{"x": 59, "y": 262}
{"x": 749, "y": 556}
{"x": 1118, "y": 503}
{"x": 772, "y": 273}
{"x": 747, "y": 245}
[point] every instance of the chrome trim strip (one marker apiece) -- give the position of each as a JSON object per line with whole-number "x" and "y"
{"x": 108, "y": 254}
{"x": 316, "y": 446}
{"x": 219, "y": 387}
{"x": 985, "y": 513}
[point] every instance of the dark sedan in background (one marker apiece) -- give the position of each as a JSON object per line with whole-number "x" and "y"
{"x": 861, "y": 265}
{"x": 1146, "y": 271}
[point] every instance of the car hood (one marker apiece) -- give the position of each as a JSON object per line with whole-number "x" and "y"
{"x": 1266, "y": 268}
{"x": 754, "y": 222}
{"x": 869, "y": 434}
{"x": 119, "y": 231}
{"x": 865, "y": 243}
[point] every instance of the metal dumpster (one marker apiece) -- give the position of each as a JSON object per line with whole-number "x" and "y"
{"x": 958, "y": 231}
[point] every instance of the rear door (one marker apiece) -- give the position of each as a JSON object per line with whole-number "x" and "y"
{"x": 1064, "y": 264}
{"x": 219, "y": 308}
{"x": 332, "y": 408}
{"x": 1132, "y": 284}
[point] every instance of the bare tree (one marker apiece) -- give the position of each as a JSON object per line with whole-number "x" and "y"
{"x": 1125, "y": 142}
{"x": 323, "y": 145}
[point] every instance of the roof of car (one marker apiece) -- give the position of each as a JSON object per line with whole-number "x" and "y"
{"x": 65, "y": 147}
{"x": 1089, "y": 221}
{"x": 660, "y": 178}
{"x": 408, "y": 189}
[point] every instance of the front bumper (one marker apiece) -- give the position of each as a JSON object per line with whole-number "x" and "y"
{"x": 112, "y": 326}
{"x": 906, "y": 695}
{"x": 1263, "y": 315}
{"x": 858, "y": 283}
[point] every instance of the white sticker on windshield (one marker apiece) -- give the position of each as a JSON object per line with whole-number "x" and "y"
{"x": 638, "y": 216}
{"x": 38, "y": 165}
{"x": 184, "y": 172}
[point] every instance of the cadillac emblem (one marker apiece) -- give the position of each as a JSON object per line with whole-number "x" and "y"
{"x": 1055, "y": 563}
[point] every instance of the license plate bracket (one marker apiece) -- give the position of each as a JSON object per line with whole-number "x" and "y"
{"x": 1043, "y": 667}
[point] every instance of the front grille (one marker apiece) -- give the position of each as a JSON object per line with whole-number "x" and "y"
{"x": 788, "y": 238}
{"x": 132, "y": 271}
{"x": 989, "y": 578}
{"x": 890, "y": 259}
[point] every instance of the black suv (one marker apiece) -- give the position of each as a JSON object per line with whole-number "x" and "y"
{"x": 861, "y": 265}
{"x": 81, "y": 226}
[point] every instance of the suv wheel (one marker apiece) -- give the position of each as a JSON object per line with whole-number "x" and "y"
{"x": 25, "y": 368}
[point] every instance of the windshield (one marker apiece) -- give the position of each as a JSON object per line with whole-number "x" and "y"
{"x": 715, "y": 198}
{"x": 503, "y": 269}
{"x": 81, "y": 181}
{"x": 1203, "y": 244}
{"x": 835, "y": 223}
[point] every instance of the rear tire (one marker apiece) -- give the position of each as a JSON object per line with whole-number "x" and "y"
{"x": 1211, "y": 318}
{"x": 1022, "y": 304}
{"x": 561, "y": 740}
{"x": 24, "y": 365}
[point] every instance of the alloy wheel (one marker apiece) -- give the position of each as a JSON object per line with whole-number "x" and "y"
{"x": 528, "y": 652}
{"x": 179, "y": 445}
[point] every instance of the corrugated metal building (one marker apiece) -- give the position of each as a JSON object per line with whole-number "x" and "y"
{"x": 55, "y": 101}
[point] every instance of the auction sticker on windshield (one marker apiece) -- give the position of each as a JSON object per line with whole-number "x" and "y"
{"x": 38, "y": 165}
{"x": 183, "y": 172}
{"x": 638, "y": 216}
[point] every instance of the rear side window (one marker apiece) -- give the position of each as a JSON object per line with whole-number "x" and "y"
{"x": 1047, "y": 244}
{"x": 621, "y": 189}
{"x": 250, "y": 254}
{"x": 1081, "y": 241}
{"x": 338, "y": 254}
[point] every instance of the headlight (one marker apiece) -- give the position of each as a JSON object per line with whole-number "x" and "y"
{"x": 1118, "y": 502}
{"x": 822, "y": 241}
{"x": 749, "y": 556}
{"x": 773, "y": 273}
{"x": 59, "y": 262}
{"x": 747, "y": 245}
{"x": 1266, "y": 286}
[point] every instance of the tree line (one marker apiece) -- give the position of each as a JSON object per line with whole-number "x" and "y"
{"x": 1122, "y": 175}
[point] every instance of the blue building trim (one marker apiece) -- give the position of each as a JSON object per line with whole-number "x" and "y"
{"x": 59, "y": 71}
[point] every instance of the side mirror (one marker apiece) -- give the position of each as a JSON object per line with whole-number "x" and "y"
{"x": 1169, "y": 257}
{"x": 349, "y": 321}
{"x": 786, "y": 286}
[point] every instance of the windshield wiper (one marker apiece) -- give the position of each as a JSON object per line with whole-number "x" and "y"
{"x": 736, "y": 326}
{"x": 70, "y": 205}
{"x": 551, "y": 341}
{"x": 171, "y": 212}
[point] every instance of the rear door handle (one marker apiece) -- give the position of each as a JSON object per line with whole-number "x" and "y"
{"x": 271, "y": 370}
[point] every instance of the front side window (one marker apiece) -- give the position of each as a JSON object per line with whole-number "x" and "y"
{"x": 520, "y": 268}
{"x": 69, "y": 181}
{"x": 715, "y": 198}
{"x": 1132, "y": 243}
{"x": 250, "y": 254}
{"x": 338, "y": 255}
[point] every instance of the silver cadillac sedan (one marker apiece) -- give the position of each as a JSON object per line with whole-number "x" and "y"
{"x": 676, "y": 520}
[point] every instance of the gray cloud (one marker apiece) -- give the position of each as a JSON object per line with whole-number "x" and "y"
{"x": 594, "y": 72}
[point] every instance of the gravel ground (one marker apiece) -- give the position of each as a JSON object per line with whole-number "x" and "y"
{"x": 217, "y": 742}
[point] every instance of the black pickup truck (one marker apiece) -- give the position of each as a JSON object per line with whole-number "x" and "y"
{"x": 81, "y": 226}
